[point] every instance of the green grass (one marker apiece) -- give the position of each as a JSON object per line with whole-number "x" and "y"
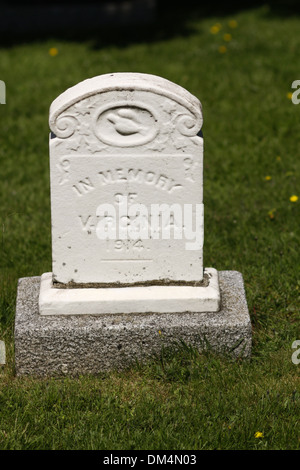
{"x": 186, "y": 402}
{"x": 181, "y": 400}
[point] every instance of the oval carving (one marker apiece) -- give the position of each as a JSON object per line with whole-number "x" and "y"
{"x": 126, "y": 125}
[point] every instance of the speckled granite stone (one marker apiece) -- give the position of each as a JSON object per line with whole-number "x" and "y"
{"x": 77, "y": 345}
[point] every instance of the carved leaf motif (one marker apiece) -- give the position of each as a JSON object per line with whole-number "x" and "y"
{"x": 78, "y": 144}
{"x": 84, "y": 129}
{"x": 180, "y": 142}
{"x": 95, "y": 146}
{"x": 73, "y": 144}
{"x": 158, "y": 145}
{"x": 64, "y": 168}
{"x": 169, "y": 107}
{"x": 167, "y": 127}
{"x": 83, "y": 107}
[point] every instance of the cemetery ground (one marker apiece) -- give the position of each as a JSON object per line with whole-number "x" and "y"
{"x": 241, "y": 67}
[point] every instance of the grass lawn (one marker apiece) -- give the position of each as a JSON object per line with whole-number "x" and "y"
{"x": 241, "y": 66}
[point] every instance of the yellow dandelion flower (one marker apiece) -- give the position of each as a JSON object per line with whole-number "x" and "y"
{"x": 289, "y": 95}
{"x": 159, "y": 332}
{"x": 222, "y": 49}
{"x": 258, "y": 435}
{"x": 215, "y": 28}
{"x": 227, "y": 37}
{"x": 271, "y": 214}
{"x": 53, "y": 51}
{"x": 232, "y": 24}
{"x": 294, "y": 198}
{"x": 268, "y": 178}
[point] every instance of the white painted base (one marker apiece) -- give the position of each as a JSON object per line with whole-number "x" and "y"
{"x": 126, "y": 300}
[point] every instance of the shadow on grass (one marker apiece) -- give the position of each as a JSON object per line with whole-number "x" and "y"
{"x": 168, "y": 19}
{"x": 182, "y": 362}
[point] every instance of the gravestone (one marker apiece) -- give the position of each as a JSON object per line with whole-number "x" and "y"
{"x": 126, "y": 166}
{"x": 126, "y": 196}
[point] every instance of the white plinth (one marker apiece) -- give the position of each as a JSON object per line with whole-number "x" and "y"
{"x": 126, "y": 300}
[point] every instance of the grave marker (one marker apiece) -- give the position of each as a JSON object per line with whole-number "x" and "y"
{"x": 126, "y": 165}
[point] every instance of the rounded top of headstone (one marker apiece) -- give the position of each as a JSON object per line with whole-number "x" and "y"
{"x": 123, "y": 81}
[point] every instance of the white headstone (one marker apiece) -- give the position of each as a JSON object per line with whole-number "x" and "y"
{"x": 126, "y": 163}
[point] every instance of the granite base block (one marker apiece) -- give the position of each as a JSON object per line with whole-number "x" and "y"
{"x": 76, "y": 345}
